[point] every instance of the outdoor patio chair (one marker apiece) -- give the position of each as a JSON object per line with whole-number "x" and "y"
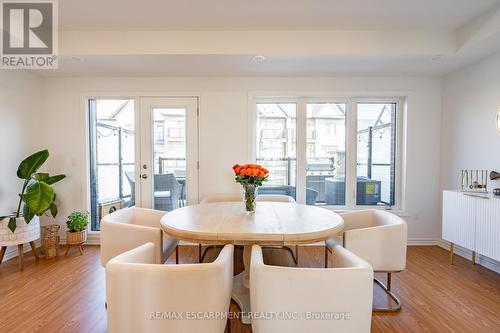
{"x": 167, "y": 192}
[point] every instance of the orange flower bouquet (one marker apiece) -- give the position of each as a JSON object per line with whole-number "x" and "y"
{"x": 250, "y": 176}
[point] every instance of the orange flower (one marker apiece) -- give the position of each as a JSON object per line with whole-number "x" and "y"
{"x": 250, "y": 170}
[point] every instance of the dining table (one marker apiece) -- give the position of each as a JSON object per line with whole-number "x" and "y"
{"x": 272, "y": 223}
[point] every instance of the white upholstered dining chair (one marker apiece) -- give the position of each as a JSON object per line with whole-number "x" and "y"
{"x": 128, "y": 228}
{"x": 235, "y": 198}
{"x": 380, "y": 238}
{"x": 302, "y": 295}
{"x": 142, "y": 294}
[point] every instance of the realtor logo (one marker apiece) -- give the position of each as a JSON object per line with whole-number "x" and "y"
{"x": 29, "y": 34}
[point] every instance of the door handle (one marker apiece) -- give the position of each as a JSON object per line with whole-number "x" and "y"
{"x": 144, "y": 176}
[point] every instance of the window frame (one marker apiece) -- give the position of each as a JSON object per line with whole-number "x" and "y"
{"x": 351, "y": 102}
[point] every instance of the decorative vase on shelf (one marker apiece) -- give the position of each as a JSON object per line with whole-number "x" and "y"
{"x": 250, "y": 176}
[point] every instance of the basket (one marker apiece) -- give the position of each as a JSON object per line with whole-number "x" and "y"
{"x": 76, "y": 238}
{"x": 50, "y": 240}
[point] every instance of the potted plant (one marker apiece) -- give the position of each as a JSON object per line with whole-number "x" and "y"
{"x": 36, "y": 198}
{"x": 77, "y": 230}
{"x": 250, "y": 176}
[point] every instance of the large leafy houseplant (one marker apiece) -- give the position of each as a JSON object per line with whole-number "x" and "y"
{"x": 37, "y": 193}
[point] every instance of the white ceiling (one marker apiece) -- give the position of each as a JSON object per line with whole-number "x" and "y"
{"x": 161, "y": 38}
{"x": 267, "y": 15}
{"x": 243, "y": 65}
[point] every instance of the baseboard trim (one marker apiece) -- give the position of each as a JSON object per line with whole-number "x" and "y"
{"x": 92, "y": 239}
{"x": 467, "y": 254}
{"x": 422, "y": 242}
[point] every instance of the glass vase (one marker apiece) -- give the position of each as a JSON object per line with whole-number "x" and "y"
{"x": 250, "y": 194}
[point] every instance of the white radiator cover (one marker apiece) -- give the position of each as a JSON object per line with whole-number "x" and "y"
{"x": 472, "y": 222}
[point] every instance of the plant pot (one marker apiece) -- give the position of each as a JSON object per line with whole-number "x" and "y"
{"x": 76, "y": 238}
{"x": 24, "y": 233}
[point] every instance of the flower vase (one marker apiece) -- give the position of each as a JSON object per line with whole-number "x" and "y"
{"x": 250, "y": 197}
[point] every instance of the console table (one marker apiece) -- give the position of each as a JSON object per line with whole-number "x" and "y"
{"x": 472, "y": 221}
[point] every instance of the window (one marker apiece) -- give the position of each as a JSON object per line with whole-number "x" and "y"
{"x": 170, "y": 154}
{"x": 275, "y": 146}
{"x": 159, "y": 133}
{"x": 170, "y": 158}
{"x": 112, "y": 159}
{"x": 325, "y": 168}
{"x": 330, "y": 152}
{"x": 375, "y": 167}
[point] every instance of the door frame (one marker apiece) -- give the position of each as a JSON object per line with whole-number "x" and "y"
{"x": 136, "y": 97}
{"x": 146, "y": 146}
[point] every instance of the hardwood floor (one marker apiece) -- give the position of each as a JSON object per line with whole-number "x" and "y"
{"x": 67, "y": 294}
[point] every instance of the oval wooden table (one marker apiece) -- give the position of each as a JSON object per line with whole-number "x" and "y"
{"x": 273, "y": 223}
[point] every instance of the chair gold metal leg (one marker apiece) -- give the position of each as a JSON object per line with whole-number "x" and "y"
{"x": 177, "y": 255}
{"x": 199, "y": 253}
{"x": 326, "y": 257}
{"x": 473, "y": 257}
{"x": 327, "y": 249}
{"x": 452, "y": 247}
{"x": 295, "y": 256}
{"x": 388, "y": 291}
{"x": 202, "y": 256}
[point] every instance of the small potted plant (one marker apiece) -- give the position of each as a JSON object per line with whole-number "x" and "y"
{"x": 77, "y": 230}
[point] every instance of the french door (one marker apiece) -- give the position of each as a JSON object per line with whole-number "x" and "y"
{"x": 142, "y": 152}
{"x": 168, "y": 170}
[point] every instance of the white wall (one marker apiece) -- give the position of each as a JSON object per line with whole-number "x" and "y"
{"x": 20, "y": 110}
{"x": 471, "y": 98}
{"x": 224, "y": 124}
